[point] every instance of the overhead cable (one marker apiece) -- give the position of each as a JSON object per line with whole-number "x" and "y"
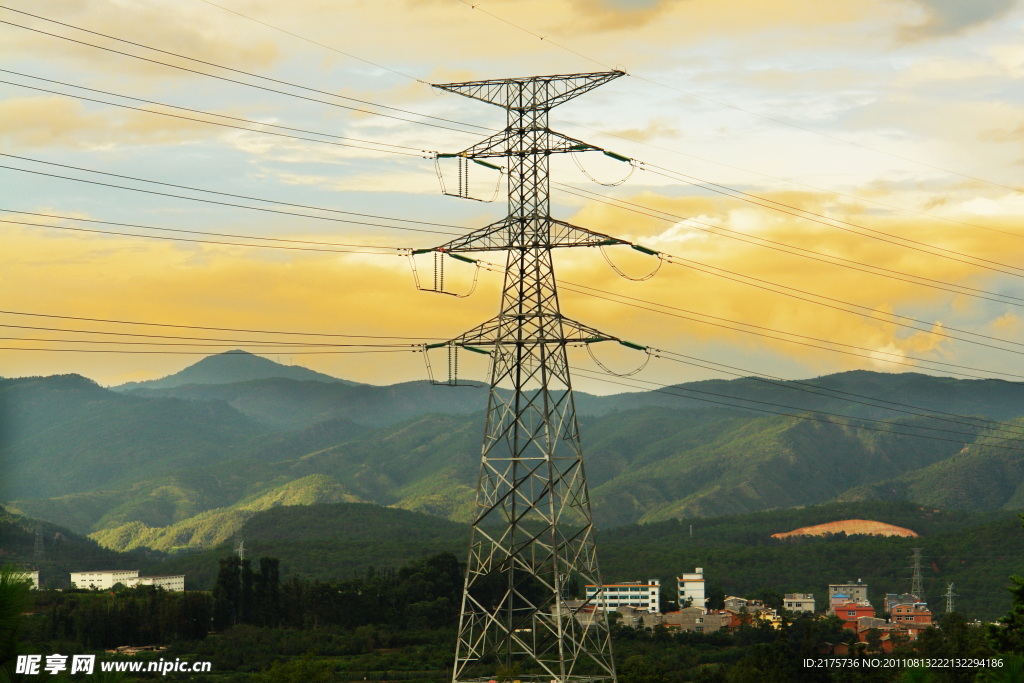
{"x": 477, "y": 6}
{"x": 785, "y": 248}
{"x": 53, "y": 316}
{"x": 237, "y": 206}
{"x": 795, "y": 182}
{"x": 237, "y": 82}
{"x": 421, "y": 153}
{"x": 666, "y": 389}
{"x": 872, "y": 354}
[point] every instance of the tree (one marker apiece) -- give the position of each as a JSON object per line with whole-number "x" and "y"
{"x": 14, "y": 600}
{"x": 716, "y": 597}
{"x": 1008, "y": 635}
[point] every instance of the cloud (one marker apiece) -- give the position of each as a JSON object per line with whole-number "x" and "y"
{"x": 950, "y": 17}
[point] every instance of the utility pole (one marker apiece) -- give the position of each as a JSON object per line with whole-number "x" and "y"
{"x": 949, "y": 595}
{"x": 917, "y": 582}
{"x": 532, "y": 528}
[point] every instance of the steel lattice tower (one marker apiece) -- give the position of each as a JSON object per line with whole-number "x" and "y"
{"x": 917, "y": 582}
{"x": 532, "y": 529}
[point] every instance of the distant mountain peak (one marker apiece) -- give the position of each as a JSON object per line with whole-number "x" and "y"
{"x": 230, "y": 367}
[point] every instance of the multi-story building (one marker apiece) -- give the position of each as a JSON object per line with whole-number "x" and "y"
{"x": 799, "y": 602}
{"x": 629, "y": 594}
{"x": 857, "y": 592}
{"x": 31, "y": 576}
{"x": 916, "y": 613}
{"x": 174, "y": 582}
{"x": 893, "y": 599}
{"x": 691, "y": 587}
{"x": 107, "y": 579}
{"x": 850, "y": 612}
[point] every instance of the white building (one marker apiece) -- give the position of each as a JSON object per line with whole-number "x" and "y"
{"x": 107, "y": 579}
{"x": 30, "y": 576}
{"x": 104, "y": 580}
{"x": 691, "y": 586}
{"x": 629, "y": 594}
{"x": 168, "y": 583}
{"x": 799, "y": 602}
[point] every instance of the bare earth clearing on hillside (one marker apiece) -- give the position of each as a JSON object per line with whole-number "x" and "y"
{"x": 850, "y": 526}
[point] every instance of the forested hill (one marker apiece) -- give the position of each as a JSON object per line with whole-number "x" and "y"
{"x": 167, "y": 473}
{"x": 233, "y": 366}
{"x": 66, "y": 434}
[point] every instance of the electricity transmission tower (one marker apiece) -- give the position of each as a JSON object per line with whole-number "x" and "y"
{"x": 532, "y": 530}
{"x": 949, "y": 595}
{"x": 917, "y": 582}
{"x": 38, "y": 550}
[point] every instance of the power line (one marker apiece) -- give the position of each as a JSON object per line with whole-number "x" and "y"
{"x": 398, "y": 250}
{"x": 621, "y": 137}
{"x": 237, "y": 206}
{"x": 822, "y": 412}
{"x": 792, "y": 341}
{"x": 199, "y": 111}
{"x": 237, "y": 82}
{"x": 887, "y": 322}
{"x": 774, "y": 245}
{"x": 229, "y": 194}
{"x": 200, "y": 353}
{"x": 212, "y": 123}
{"x": 749, "y": 198}
{"x": 309, "y": 40}
{"x": 277, "y": 345}
{"x": 795, "y": 182}
{"x": 664, "y": 389}
{"x": 199, "y": 241}
{"x": 796, "y": 385}
{"x": 195, "y": 327}
{"x": 212, "y": 339}
{"x": 477, "y": 6}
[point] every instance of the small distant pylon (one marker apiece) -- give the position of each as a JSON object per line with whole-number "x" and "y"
{"x": 949, "y": 595}
{"x": 917, "y": 582}
{"x": 39, "y": 550}
{"x": 240, "y": 549}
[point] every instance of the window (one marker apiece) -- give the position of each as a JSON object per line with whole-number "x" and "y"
{"x": 700, "y": 629}
{"x": 851, "y": 613}
{"x": 700, "y": 620}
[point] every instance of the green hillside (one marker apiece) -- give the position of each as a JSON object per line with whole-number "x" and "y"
{"x": 642, "y": 466}
{"x": 66, "y": 434}
{"x": 291, "y": 404}
{"x": 233, "y": 366}
{"x": 215, "y": 526}
{"x": 980, "y": 477}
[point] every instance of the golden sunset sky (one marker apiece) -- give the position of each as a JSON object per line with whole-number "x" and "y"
{"x": 891, "y": 121}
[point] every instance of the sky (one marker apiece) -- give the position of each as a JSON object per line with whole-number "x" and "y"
{"x": 772, "y": 142}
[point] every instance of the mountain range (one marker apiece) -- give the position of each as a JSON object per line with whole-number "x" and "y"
{"x": 175, "y": 466}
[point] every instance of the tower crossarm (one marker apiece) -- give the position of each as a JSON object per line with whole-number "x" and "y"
{"x": 527, "y": 140}
{"x": 507, "y": 234}
{"x": 533, "y": 92}
{"x": 501, "y": 329}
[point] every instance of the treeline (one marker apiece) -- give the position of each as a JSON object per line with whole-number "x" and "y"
{"x": 143, "y": 615}
{"x": 423, "y": 594}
